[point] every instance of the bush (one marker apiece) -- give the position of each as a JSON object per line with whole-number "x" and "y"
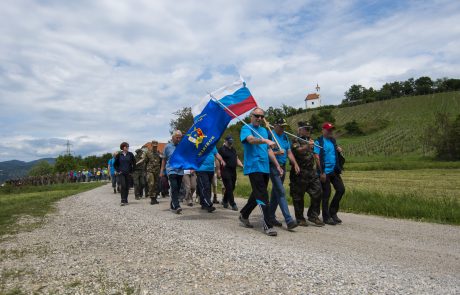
{"x": 353, "y": 128}
{"x": 444, "y": 136}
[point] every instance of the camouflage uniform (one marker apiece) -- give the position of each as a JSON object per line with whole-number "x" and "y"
{"x": 138, "y": 174}
{"x": 306, "y": 181}
{"x": 152, "y": 161}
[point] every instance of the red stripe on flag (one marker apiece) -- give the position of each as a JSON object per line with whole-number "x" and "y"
{"x": 242, "y": 107}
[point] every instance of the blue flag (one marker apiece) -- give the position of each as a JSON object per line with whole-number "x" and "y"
{"x": 201, "y": 138}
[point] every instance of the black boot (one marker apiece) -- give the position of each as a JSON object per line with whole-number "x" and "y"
{"x": 298, "y": 209}
{"x": 153, "y": 201}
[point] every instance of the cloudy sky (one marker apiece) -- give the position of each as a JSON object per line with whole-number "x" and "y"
{"x": 101, "y": 72}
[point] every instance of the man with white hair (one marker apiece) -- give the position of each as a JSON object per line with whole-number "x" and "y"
{"x": 174, "y": 175}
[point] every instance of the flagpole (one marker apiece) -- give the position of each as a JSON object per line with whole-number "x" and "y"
{"x": 300, "y": 138}
{"x": 273, "y": 134}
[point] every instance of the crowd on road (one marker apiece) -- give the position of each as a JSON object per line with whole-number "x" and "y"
{"x": 72, "y": 176}
{"x": 316, "y": 167}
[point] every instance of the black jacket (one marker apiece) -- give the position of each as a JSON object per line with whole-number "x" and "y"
{"x": 119, "y": 166}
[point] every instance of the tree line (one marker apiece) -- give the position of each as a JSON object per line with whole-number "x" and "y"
{"x": 66, "y": 163}
{"x": 421, "y": 86}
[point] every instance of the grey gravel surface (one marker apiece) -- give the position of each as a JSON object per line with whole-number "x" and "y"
{"x": 91, "y": 245}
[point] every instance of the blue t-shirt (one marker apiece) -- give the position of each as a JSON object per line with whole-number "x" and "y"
{"x": 112, "y": 169}
{"x": 208, "y": 163}
{"x": 255, "y": 155}
{"x": 285, "y": 144}
{"x": 169, "y": 150}
{"x": 329, "y": 155}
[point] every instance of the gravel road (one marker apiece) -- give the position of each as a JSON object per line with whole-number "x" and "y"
{"x": 91, "y": 245}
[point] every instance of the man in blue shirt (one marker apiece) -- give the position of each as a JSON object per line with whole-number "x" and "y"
{"x": 205, "y": 175}
{"x": 329, "y": 170}
{"x": 278, "y": 195}
{"x": 257, "y": 155}
{"x": 174, "y": 175}
{"x": 113, "y": 176}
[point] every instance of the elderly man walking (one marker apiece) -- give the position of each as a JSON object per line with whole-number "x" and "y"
{"x": 174, "y": 175}
{"x": 257, "y": 156}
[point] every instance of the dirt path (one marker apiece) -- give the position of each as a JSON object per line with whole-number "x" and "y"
{"x": 94, "y": 246}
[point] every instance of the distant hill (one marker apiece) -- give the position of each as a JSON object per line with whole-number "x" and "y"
{"x": 15, "y": 168}
{"x": 393, "y": 127}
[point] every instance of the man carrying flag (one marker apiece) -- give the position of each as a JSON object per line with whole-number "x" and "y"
{"x": 257, "y": 155}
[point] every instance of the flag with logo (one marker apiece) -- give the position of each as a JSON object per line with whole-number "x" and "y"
{"x": 211, "y": 117}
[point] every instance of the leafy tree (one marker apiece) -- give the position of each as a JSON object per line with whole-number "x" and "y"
{"x": 273, "y": 113}
{"x": 452, "y": 84}
{"x": 385, "y": 92}
{"x": 408, "y": 87}
{"x": 65, "y": 163}
{"x": 396, "y": 89}
{"x": 444, "y": 136}
{"x": 423, "y": 85}
{"x": 369, "y": 94}
{"x": 184, "y": 120}
{"x": 41, "y": 168}
{"x": 355, "y": 93}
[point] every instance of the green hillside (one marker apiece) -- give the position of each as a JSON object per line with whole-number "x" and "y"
{"x": 393, "y": 127}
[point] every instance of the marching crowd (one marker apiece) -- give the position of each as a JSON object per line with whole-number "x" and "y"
{"x": 85, "y": 175}
{"x": 316, "y": 166}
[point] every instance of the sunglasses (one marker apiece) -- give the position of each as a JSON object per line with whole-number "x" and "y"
{"x": 259, "y": 116}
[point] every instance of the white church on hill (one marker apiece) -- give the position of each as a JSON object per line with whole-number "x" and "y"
{"x": 313, "y": 100}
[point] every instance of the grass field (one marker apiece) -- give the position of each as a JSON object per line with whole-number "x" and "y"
{"x": 424, "y": 194}
{"x": 33, "y": 203}
{"x": 397, "y": 124}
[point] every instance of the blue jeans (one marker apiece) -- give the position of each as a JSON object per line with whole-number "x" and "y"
{"x": 175, "y": 181}
{"x": 278, "y": 196}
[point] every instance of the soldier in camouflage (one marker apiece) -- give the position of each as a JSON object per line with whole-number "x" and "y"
{"x": 307, "y": 180}
{"x": 152, "y": 161}
{"x": 138, "y": 174}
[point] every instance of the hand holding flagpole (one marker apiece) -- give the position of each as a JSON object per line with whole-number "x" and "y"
{"x": 273, "y": 134}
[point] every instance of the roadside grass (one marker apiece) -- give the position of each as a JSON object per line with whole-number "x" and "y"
{"x": 33, "y": 203}
{"x": 430, "y": 195}
{"x": 406, "y": 162}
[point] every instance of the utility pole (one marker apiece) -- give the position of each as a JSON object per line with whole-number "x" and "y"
{"x": 68, "y": 145}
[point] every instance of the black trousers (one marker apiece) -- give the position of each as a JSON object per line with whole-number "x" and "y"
{"x": 125, "y": 182}
{"x": 229, "y": 181}
{"x": 259, "y": 196}
{"x": 331, "y": 209}
{"x": 203, "y": 184}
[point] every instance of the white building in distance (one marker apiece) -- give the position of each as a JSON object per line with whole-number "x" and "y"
{"x": 313, "y": 100}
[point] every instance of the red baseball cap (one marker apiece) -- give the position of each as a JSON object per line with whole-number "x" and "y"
{"x": 328, "y": 126}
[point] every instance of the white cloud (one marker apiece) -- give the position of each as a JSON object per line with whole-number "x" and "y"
{"x": 99, "y": 72}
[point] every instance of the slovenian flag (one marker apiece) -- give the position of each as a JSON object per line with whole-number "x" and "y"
{"x": 211, "y": 120}
{"x": 236, "y": 97}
